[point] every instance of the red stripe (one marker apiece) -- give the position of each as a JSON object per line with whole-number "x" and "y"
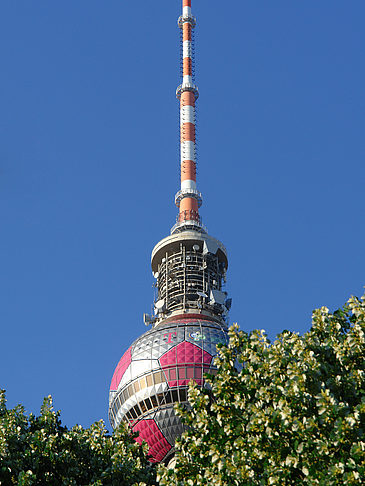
{"x": 190, "y": 211}
{"x": 186, "y": 3}
{"x": 188, "y": 132}
{"x": 188, "y": 170}
{"x": 187, "y": 99}
{"x": 187, "y": 31}
{"x": 187, "y": 66}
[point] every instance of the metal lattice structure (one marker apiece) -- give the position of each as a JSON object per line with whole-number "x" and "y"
{"x": 190, "y": 306}
{"x": 190, "y": 268}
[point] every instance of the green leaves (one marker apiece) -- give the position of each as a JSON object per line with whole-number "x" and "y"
{"x": 291, "y": 413}
{"x": 39, "y": 450}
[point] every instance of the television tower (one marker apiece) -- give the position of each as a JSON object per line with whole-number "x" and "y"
{"x": 190, "y": 306}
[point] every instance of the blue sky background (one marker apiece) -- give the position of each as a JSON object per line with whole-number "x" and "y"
{"x": 89, "y": 167}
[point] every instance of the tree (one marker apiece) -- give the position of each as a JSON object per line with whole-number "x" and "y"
{"x": 290, "y": 413}
{"x": 39, "y": 450}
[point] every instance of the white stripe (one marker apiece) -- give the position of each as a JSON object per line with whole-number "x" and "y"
{"x": 187, "y": 81}
{"x": 125, "y": 378}
{"x": 187, "y": 150}
{"x": 187, "y": 49}
{"x": 187, "y": 11}
{"x": 187, "y": 114}
{"x": 188, "y": 184}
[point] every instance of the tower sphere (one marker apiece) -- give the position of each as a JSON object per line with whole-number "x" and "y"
{"x": 154, "y": 373}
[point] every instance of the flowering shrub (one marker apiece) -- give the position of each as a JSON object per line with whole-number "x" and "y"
{"x": 289, "y": 412}
{"x": 39, "y": 450}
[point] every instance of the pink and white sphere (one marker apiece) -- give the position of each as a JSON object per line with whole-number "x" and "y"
{"x": 154, "y": 374}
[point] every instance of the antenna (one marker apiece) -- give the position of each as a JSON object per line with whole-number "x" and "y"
{"x": 188, "y": 199}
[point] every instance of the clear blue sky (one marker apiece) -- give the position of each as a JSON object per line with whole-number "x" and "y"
{"x": 89, "y": 167}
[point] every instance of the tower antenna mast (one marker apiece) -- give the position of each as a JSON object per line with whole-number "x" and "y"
{"x": 188, "y": 199}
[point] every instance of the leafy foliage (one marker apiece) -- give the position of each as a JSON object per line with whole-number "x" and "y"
{"x": 39, "y": 450}
{"x": 287, "y": 413}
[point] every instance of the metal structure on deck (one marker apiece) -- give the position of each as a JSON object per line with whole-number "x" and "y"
{"x": 190, "y": 306}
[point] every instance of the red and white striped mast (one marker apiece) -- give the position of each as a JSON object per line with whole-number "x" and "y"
{"x": 188, "y": 199}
